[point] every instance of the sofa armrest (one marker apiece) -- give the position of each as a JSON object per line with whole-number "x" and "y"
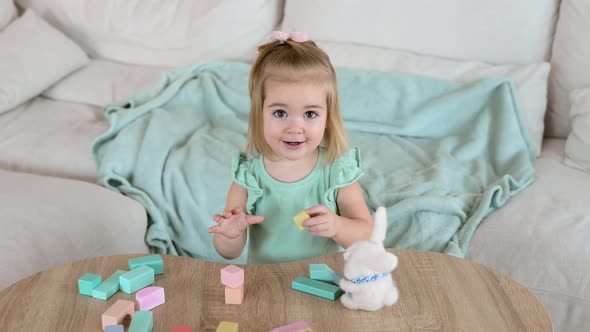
{"x": 49, "y": 221}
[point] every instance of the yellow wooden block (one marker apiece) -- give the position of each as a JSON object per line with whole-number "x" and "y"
{"x": 227, "y": 327}
{"x": 300, "y": 218}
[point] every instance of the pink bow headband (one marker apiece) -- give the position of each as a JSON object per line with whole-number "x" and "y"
{"x": 282, "y": 36}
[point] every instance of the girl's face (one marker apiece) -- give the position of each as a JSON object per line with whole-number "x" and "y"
{"x": 294, "y": 118}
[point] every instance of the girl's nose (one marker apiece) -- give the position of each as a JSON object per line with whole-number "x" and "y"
{"x": 295, "y": 127}
{"x": 295, "y": 130}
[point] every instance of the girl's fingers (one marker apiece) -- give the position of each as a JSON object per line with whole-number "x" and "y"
{"x": 227, "y": 214}
{"x": 237, "y": 210}
{"x": 318, "y": 209}
{"x": 217, "y": 217}
{"x": 214, "y": 229}
{"x": 254, "y": 219}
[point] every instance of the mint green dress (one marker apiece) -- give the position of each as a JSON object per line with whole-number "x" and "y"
{"x": 278, "y": 239}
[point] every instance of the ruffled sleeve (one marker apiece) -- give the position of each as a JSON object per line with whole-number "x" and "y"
{"x": 343, "y": 172}
{"x": 243, "y": 173}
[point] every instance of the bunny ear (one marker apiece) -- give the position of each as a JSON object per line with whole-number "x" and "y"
{"x": 380, "y": 225}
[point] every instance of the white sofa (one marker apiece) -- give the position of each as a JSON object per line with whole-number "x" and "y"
{"x": 102, "y": 52}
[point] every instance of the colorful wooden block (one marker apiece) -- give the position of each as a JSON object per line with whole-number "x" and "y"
{"x": 234, "y": 295}
{"x": 227, "y": 327}
{"x": 114, "y": 328}
{"x": 143, "y": 321}
{"x": 154, "y": 261}
{"x": 315, "y": 287}
{"x": 182, "y": 329}
{"x": 88, "y": 282}
{"x": 293, "y": 327}
{"x": 232, "y": 276}
{"x": 136, "y": 279}
{"x": 149, "y": 298}
{"x": 323, "y": 272}
{"x": 116, "y": 312}
{"x": 108, "y": 287}
{"x": 300, "y": 218}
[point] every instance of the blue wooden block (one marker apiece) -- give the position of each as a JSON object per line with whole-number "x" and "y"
{"x": 154, "y": 261}
{"x": 88, "y": 282}
{"x": 108, "y": 287}
{"x": 142, "y": 322}
{"x": 136, "y": 279}
{"x": 316, "y": 287}
{"x": 323, "y": 272}
{"x": 114, "y": 328}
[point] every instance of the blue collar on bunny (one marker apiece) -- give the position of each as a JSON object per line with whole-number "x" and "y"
{"x": 363, "y": 280}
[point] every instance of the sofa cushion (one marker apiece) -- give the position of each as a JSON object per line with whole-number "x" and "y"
{"x": 34, "y": 56}
{"x": 51, "y": 138}
{"x": 7, "y": 12}
{"x": 166, "y": 33}
{"x": 499, "y": 31}
{"x": 577, "y": 146}
{"x": 539, "y": 239}
{"x": 530, "y": 80}
{"x": 570, "y": 62}
{"x": 48, "y": 221}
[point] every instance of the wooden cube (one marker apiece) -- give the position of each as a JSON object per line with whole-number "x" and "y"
{"x": 88, "y": 282}
{"x": 232, "y": 276}
{"x": 234, "y": 295}
{"x": 227, "y": 327}
{"x": 300, "y": 218}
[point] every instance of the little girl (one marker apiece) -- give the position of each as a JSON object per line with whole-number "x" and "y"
{"x": 301, "y": 163}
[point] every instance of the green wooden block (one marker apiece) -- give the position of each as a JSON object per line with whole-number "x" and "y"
{"x": 154, "y": 261}
{"x": 142, "y": 322}
{"x": 323, "y": 272}
{"x": 88, "y": 282}
{"x": 315, "y": 287}
{"x": 109, "y": 287}
{"x": 136, "y": 279}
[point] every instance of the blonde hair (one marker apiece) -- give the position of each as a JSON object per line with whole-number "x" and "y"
{"x": 294, "y": 61}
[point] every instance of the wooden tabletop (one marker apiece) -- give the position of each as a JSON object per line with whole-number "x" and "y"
{"x": 437, "y": 292}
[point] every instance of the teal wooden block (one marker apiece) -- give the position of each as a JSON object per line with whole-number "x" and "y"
{"x": 315, "y": 287}
{"x": 136, "y": 279}
{"x": 88, "y": 282}
{"x": 154, "y": 261}
{"x": 108, "y": 287}
{"x": 142, "y": 322}
{"x": 114, "y": 328}
{"x": 323, "y": 272}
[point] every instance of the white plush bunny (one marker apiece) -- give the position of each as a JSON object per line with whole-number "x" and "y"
{"x": 367, "y": 280}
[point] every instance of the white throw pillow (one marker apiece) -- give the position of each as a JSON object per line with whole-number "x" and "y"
{"x": 7, "y": 12}
{"x": 570, "y": 61}
{"x": 104, "y": 82}
{"x": 164, "y": 33}
{"x": 34, "y": 56}
{"x": 493, "y": 31}
{"x": 577, "y": 146}
{"x": 530, "y": 80}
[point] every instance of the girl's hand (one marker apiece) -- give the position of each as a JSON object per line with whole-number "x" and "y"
{"x": 232, "y": 223}
{"x": 323, "y": 222}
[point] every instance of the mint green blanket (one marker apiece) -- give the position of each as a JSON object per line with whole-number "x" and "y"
{"x": 439, "y": 155}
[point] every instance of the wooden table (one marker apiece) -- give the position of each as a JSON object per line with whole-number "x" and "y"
{"x": 437, "y": 292}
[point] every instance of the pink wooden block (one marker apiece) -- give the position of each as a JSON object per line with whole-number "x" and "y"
{"x": 115, "y": 313}
{"x": 149, "y": 298}
{"x": 234, "y": 295}
{"x": 297, "y": 326}
{"x": 182, "y": 329}
{"x": 232, "y": 276}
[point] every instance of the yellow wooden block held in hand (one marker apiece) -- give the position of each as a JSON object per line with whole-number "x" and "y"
{"x": 300, "y": 218}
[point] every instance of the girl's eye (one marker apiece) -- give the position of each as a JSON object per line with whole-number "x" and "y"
{"x": 280, "y": 114}
{"x": 310, "y": 115}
